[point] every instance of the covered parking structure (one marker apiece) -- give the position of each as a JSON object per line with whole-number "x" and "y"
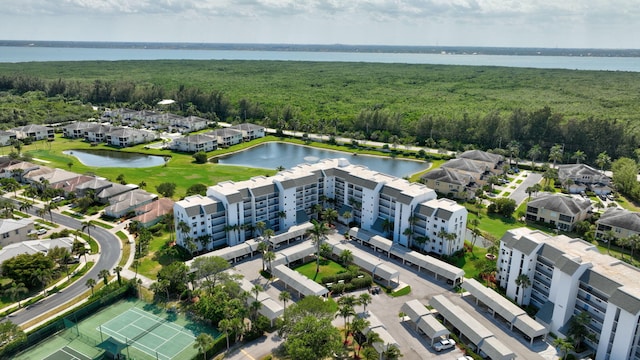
{"x": 514, "y": 315}
{"x": 300, "y": 283}
{"x": 471, "y": 328}
{"x": 293, "y": 254}
{"x": 296, "y": 232}
{"x": 270, "y": 308}
{"x": 232, "y": 254}
{"x": 424, "y": 320}
{"x": 375, "y": 325}
{"x": 437, "y": 267}
{"x": 367, "y": 262}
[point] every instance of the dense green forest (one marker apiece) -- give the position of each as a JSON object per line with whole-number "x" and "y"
{"x": 453, "y": 107}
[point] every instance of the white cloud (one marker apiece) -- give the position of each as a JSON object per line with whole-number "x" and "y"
{"x": 453, "y": 22}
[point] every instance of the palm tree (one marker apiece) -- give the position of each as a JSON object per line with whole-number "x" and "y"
{"x": 260, "y": 226}
{"x": 225, "y": 326}
{"x": 408, "y": 232}
{"x": 603, "y": 160}
{"x": 347, "y": 215}
{"x": 43, "y": 277}
{"x": 364, "y": 299}
{"x": 25, "y": 206}
{"x": 117, "y": 270}
{"x": 634, "y": 243}
{"x": 579, "y": 155}
{"x": 449, "y": 237}
{"x": 533, "y": 154}
{"x": 267, "y": 235}
{"x": 387, "y": 226}
{"x": 556, "y": 153}
{"x": 358, "y": 325}
{"x": 345, "y": 257}
{"x": 87, "y": 225}
{"x": 345, "y": 311}
{"x": 564, "y": 346}
{"x": 513, "y": 148}
{"x": 392, "y": 352}
{"x": 90, "y": 283}
{"x": 609, "y": 237}
{"x": 285, "y": 297}
{"x": 318, "y": 234}
{"x": 203, "y": 342}
{"x": 262, "y": 248}
{"x": 104, "y": 274}
{"x": 184, "y": 228}
{"x": 330, "y": 215}
{"x": 269, "y": 256}
{"x": 16, "y": 292}
{"x": 523, "y": 282}
{"x": 317, "y": 208}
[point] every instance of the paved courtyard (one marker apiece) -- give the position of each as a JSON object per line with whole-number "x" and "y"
{"x": 387, "y": 309}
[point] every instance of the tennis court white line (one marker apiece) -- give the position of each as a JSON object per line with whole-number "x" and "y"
{"x": 158, "y": 319}
{"x": 151, "y": 351}
{"x": 73, "y": 356}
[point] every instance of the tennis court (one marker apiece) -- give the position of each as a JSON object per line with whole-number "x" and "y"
{"x": 148, "y": 333}
{"x": 133, "y": 328}
{"x": 67, "y": 353}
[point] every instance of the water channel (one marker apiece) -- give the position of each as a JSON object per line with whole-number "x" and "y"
{"x": 109, "y": 158}
{"x": 274, "y": 154}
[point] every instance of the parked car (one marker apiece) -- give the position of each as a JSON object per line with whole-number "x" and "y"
{"x": 444, "y": 344}
{"x": 467, "y": 357}
{"x": 41, "y": 231}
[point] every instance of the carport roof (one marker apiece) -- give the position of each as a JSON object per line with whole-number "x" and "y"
{"x": 414, "y": 310}
{"x": 495, "y": 349}
{"x": 430, "y": 263}
{"x": 299, "y": 282}
{"x": 432, "y": 327}
{"x": 460, "y": 319}
{"x": 505, "y": 308}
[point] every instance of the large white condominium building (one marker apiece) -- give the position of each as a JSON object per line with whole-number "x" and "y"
{"x": 569, "y": 276}
{"x": 380, "y": 203}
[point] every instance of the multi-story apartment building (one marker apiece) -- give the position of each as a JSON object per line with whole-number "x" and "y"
{"x": 377, "y": 202}
{"x": 569, "y": 276}
{"x": 561, "y": 211}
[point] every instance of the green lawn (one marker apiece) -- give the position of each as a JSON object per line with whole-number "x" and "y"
{"x": 151, "y": 264}
{"x": 496, "y": 225}
{"x": 327, "y": 268}
{"x": 468, "y": 262}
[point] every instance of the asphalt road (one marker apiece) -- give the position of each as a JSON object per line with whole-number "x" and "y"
{"x": 109, "y": 257}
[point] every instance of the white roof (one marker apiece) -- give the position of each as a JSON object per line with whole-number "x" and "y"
{"x": 460, "y": 319}
{"x": 299, "y": 282}
{"x": 292, "y": 233}
{"x": 34, "y": 246}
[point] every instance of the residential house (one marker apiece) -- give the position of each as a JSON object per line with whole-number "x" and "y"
{"x": 35, "y": 132}
{"x": 77, "y": 129}
{"x": 561, "y": 211}
{"x": 151, "y": 213}
{"x": 34, "y": 246}
{"x": 69, "y": 185}
{"x": 448, "y": 181}
{"x": 570, "y": 276}
{"x": 621, "y": 223}
{"x": 98, "y": 133}
{"x": 115, "y": 189}
{"x": 227, "y": 137}
{"x": 93, "y": 186}
{"x": 478, "y": 170}
{"x": 127, "y": 202}
{"x": 17, "y": 169}
{"x": 581, "y": 177}
{"x": 13, "y": 231}
{"x": 249, "y": 131}
{"x": 195, "y": 143}
{"x": 124, "y": 137}
{"x": 6, "y": 137}
{"x": 496, "y": 161}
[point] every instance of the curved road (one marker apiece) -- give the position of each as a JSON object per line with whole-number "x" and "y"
{"x": 109, "y": 257}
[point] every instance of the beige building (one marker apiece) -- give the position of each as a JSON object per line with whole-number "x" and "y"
{"x": 561, "y": 211}
{"x": 13, "y": 231}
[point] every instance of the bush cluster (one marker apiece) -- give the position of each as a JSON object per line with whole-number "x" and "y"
{"x": 351, "y": 282}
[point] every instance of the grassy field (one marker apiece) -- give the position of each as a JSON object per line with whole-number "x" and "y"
{"x": 327, "y": 268}
{"x": 181, "y": 169}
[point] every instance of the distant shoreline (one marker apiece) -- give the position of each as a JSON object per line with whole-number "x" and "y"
{"x": 454, "y": 50}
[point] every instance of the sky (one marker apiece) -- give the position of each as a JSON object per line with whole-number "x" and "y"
{"x": 501, "y": 23}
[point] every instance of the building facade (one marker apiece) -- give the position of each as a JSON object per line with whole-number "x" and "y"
{"x": 373, "y": 201}
{"x": 570, "y": 276}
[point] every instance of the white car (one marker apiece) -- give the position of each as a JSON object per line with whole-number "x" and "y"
{"x": 41, "y": 231}
{"x": 465, "y": 358}
{"x": 444, "y": 344}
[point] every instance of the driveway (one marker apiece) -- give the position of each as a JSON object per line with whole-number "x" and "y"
{"x": 520, "y": 193}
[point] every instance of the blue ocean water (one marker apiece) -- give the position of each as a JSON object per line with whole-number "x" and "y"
{"x": 18, "y": 54}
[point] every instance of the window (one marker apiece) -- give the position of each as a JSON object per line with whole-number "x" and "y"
{"x": 5, "y": 235}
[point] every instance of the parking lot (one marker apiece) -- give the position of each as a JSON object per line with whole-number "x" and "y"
{"x": 386, "y": 308}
